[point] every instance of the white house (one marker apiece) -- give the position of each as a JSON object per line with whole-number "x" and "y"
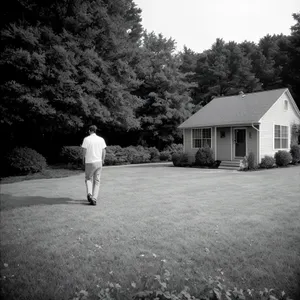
{"x": 234, "y": 126}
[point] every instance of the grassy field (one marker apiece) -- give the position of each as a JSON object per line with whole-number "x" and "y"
{"x": 54, "y": 171}
{"x": 243, "y": 226}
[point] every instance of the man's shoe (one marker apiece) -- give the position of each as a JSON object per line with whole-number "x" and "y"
{"x": 94, "y": 201}
{"x": 89, "y": 198}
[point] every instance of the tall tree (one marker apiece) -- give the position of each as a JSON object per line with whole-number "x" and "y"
{"x": 294, "y": 67}
{"x": 165, "y": 91}
{"x": 69, "y": 63}
{"x": 224, "y": 70}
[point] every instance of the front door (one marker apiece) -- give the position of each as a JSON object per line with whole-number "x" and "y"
{"x": 240, "y": 142}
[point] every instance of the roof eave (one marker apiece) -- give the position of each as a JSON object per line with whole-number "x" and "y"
{"x": 219, "y": 125}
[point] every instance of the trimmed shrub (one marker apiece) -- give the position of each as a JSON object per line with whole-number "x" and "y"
{"x": 283, "y": 158}
{"x": 130, "y": 152}
{"x": 72, "y": 156}
{"x": 204, "y": 157}
{"x": 165, "y": 156}
{"x": 216, "y": 164}
{"x": 23, "y": 161}
{"x": 267, "y": 162}
{"x": 174, "y": 148}
{"x": 110, "y": 159}
{"x": 138, "y": 155}
{"x": 117, "y": 154}
{"x": 154, "y": 154}
{"x": 295, "y": 152}
{"x": 244, "y": 163}
{"x": 251, "y": 161}
{"x": 180, "y": 159}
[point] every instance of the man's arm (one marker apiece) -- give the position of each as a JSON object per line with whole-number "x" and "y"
{"x": 83, "y": 155}
{"x": 103, "y": 155}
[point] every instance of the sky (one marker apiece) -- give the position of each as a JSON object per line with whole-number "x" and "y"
{"x": 198, "y": 23}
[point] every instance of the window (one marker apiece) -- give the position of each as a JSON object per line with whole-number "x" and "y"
{"x": 201, "y": 137}
{"x": 281, "y": 137}
{"x": 286, "y": 105}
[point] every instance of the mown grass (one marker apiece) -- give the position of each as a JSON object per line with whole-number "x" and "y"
{"x": 52, "y": 171}
{"x": 242, "y": 226}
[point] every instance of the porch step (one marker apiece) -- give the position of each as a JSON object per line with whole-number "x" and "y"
{"x": 230, "y": 165}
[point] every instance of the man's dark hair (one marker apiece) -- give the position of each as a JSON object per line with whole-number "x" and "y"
{"x": 93, "y": 128}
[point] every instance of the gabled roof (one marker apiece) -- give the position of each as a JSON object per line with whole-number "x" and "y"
{"x": 238, "y": 109}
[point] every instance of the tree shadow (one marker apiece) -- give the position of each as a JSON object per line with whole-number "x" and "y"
{"x": 8, "y": 202}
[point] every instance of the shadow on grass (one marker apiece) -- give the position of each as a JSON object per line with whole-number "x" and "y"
{"x": 10, "y": 202}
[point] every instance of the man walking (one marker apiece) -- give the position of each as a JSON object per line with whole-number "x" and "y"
{"x": 93, "y": 158}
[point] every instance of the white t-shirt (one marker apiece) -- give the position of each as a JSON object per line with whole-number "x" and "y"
{"x": 94, "y": 146}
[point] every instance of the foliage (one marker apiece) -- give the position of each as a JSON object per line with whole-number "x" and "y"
{"x": 23, "y": 161}
{"x": 295, "y": 152}
{"x": 116, "y": 155}
{"x": 165, "y": 92}
{"x": 292, "y": 74}
{"x": 137, "y": 155}
{"x": 267, "y": 162}
{"x": 59, "y": 76}
{"x": 68, "y": 64}
{"x": 71, "y": 155}
{"x": 154, "y": 154}
{"x": 295, "y": 134}
{"x": 244, "y": 163}
{"x": 204, "y": 157}
{"x": 165, "y": 156}
{"x": 157, "y": 287}
{"x": 282, "y": 158}
{"x": 173, "y": 148}
{"x": 251, "y": 161}
{"x": 180, "y": 159}
{"x": 216, "y": 164}
{"x": 110, "y": 159}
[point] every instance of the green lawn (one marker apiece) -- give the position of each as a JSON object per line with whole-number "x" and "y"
{"x": 243, "y": 226}
{"x": 54, "y": 171}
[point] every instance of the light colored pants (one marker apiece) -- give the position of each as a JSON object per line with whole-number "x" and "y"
{"x": 92, "y": 178}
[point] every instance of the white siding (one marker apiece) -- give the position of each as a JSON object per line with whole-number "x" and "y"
{"x": 252, "y": 140}
{"x": 276, "y": 115}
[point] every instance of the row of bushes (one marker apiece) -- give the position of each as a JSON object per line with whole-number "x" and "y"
{"x": 281, "y": 158}
{"x": 23, "y": 160}
{"x": 116, "y": 155}
{"x": 204, "y": 158}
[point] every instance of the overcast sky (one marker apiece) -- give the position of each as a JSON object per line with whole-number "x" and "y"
{"x": 197, "y": 23}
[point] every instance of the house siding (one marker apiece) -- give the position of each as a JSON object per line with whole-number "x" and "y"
{"x": 252, "y": 142}
{"x": 224, "y": 146}
{"x": 191, "y": 152}
{"x": 276, "y": 115}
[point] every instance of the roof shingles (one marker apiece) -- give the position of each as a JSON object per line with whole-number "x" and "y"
{"x": 234, "y": 109}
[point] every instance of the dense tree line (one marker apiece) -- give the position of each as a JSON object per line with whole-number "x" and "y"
{"x": 71, "y": 63}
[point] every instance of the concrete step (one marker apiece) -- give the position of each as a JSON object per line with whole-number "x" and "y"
{"x": 230, "y": 165}
{"x": 228, "y": 168}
